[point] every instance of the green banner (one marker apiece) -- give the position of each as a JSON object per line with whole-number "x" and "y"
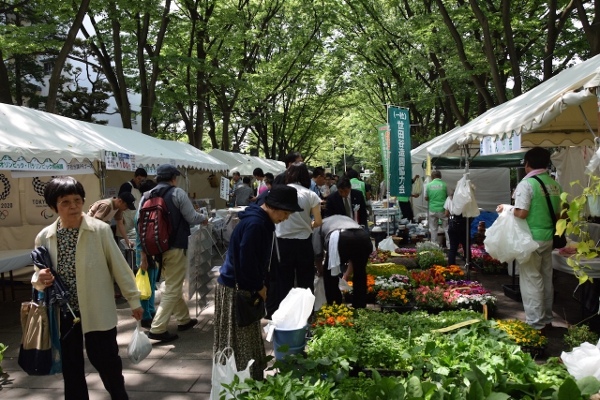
{"x": 400, "y": 162}
{"x": 384, "y": 145}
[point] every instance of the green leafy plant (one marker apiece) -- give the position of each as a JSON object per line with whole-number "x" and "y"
{"x": 574, "y": 224}
{"x": 3, "y": 376}
{"x": 428, "y": 258}
{"x": 577, "y": 334}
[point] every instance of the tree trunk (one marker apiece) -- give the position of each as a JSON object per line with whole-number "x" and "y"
{"x": 5, "y": 96}
{"x": 62, "y": 56}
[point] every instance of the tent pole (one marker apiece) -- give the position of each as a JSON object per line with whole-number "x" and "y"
{"x": 467, "y": 251}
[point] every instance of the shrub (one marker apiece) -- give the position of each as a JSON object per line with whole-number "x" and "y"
{"x": 576, "y": 335}
{"x": 428, "y": 258}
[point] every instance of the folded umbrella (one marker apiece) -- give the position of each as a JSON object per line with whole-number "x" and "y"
{"x": 57, "y": 294}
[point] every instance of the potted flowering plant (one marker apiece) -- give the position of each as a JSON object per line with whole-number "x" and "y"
{"x": 392, "y": 293}
{"x": 426, "y": 278}
{"x": 473, "y": 296}
{"x": 449, "y": 272}
{"x": 531, "y": 340}
{"x": 370, "y": 290}
{"x": 435, "y": 299}
{"x": 339, "y": 315}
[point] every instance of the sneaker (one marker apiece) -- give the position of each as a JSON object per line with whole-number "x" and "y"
{"x": 163, "y": 337}
{"x": 187, "y": 326}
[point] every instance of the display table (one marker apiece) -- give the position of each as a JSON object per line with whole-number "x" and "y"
{"x": 559, "y": 263}
{"x": 9, "y": 261}
{"x": 589, "y": 290}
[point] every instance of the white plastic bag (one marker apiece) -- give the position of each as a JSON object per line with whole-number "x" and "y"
{"x": 344, "y": 286}
{"x": 509, "y": 238}
{"x": 320, "y": 298}
{"x": 294, "y": 310}
{"x": 224, "y": 373}
{"x": 387, "y": 244}
{"x": 462, "y": 195}
{"x": 583, "y": 360}
{"x": 139, "y": 346}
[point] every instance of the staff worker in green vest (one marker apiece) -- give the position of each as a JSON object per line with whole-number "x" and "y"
{"x": 436, "y": 194}
{"x": 531, "y": 205}
{"x": 356, "y": 182}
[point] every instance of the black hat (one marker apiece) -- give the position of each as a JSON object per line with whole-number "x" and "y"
{"x": 283, "y": 197}
{"x": 128, "y": 198}
{"x": 167, "y": 170}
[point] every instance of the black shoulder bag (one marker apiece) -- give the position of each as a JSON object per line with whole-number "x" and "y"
{"x": 558, "y": 242}
{"x": 249, "y": 307}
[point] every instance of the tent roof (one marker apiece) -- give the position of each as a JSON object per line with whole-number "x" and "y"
{"x": 547, "y": 115}
{"x": 30, "y": 134}
{"x": 245, "y": 164}
{"x": 36, "y": 134}
{"x": 505, "y": 160}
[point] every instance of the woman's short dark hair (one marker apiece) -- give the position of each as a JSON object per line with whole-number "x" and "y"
{"x": 60, "y": 187}
{"x": 258, "y": 172}
{"x": 298, "y": 173}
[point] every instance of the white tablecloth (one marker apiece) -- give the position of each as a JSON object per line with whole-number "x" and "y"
{"x": 14, "y": 259}
{"x": 560, "y": 263}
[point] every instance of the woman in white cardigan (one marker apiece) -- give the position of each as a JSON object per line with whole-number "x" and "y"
{"x": 86, "y": 257}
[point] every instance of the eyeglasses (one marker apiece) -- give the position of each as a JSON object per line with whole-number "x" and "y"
{"x": 69, "y": 203}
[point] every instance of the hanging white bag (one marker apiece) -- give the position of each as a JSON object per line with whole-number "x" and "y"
{"x": 225, "y": 373}
{"x": 462, "y": 195}
{"x": 139, "y": 346}
{"x": 320, "y": 298}
{"x": 509, "y": 238}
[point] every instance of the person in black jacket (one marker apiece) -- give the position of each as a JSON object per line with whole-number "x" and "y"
{"x": 344, "y": 201}
{"x": 248, "y": 258}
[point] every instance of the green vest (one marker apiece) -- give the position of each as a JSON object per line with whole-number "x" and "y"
{"x": 357, "y": 184}
{"x": 539, "y": 219}
{"x": 437, "y": 194}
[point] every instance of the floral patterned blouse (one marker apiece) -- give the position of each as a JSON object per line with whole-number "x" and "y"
{"x": 67, "y": 245}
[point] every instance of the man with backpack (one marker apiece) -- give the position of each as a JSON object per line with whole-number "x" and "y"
{"x": 180, "y": 214}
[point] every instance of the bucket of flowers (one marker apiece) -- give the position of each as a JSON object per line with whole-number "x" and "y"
{"x": 435, "y": 299}
{"x": 531, "y": 340}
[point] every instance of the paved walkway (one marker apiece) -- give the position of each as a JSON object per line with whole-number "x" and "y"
{"x": 182, "y": 369}
{"x": 177, "y": 370}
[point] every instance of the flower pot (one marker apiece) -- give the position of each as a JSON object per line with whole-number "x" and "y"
{"x": 279, "y": 355}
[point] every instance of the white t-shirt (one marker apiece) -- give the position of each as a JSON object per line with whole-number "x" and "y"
{"x": 298, "y": 225}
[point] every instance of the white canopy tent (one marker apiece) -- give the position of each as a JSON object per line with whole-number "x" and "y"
{"x": 561, "y": 111}
{"x": 34, "y": 146}
{"x": 489, "y": 193}
{"x": 245, "y": 164}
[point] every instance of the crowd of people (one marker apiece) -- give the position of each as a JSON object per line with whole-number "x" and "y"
{"x": 296, "y": 226}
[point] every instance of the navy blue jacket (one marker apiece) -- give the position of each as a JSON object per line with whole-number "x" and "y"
{"x": 249, "y": 250}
